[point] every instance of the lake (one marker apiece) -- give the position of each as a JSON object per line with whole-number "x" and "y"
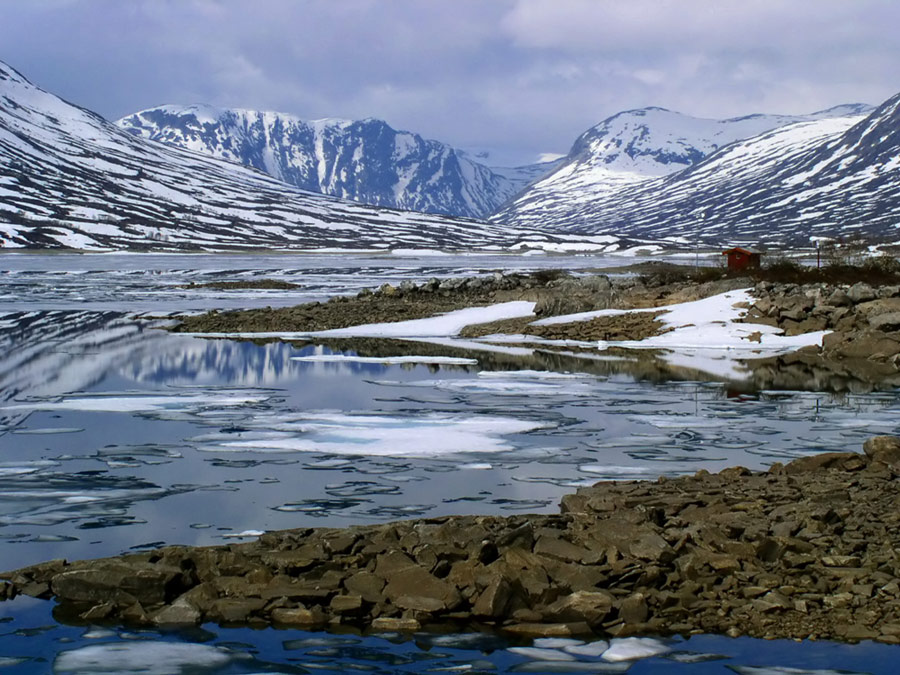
{"x": 116, "y": 435}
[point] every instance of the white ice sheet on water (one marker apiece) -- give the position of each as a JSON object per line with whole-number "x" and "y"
{"x": 386, "y": 360}
{"x": 429, "y": 435}
{"x": 135, "y": 403}
{"x": 148, "y": 657}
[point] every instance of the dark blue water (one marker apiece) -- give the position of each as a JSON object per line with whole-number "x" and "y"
{"x": 32, "y": 642}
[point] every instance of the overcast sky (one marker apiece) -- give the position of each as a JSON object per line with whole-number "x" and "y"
{"x": 516, "y": 77}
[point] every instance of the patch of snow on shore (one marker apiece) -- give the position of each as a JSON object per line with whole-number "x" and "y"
{"x": 712, "y": 324}
{"x": 445, "y": 325}
{"x": 387, "y": 360}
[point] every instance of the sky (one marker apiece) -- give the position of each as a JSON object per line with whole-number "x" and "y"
{"x": 518, "y": 79}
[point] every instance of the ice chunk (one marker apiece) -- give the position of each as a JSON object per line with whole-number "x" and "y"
{"x": 632, "y": 649}
{"x": 135, "y": 403}
{"x": 592, "y": 649}
{"x": 11, "y": 661}
{"x": 539, "y": 654}
{"x": 149, "y": 657}
{"x": 381, "y": 435}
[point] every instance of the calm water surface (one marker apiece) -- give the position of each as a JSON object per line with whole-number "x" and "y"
{"x": 115, "y": 436}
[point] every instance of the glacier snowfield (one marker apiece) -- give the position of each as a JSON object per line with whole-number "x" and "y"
{"x": 117, "y": 436}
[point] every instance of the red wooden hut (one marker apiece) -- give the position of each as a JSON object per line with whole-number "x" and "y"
{"x": 742, "y": 258}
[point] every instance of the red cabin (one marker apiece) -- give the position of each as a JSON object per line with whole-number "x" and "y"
{"x": 741, "y": 259}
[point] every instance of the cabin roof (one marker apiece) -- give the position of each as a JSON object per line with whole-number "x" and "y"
{"x": 738, "y": 249}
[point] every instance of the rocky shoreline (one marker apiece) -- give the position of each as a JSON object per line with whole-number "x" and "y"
{"x": 862, "y": 351}
{"x": 553, "y": 292}
{"x": 804, "y": 550}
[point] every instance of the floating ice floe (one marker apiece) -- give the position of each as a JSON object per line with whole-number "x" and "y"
{"x": 136, "y": 403}
{"x": 590, "y": 649}
{"x": 426, "y": 435}
{"x": 565, "y": 655}
{"x": 632, "y": 649}
{"x": 539, "y": 654}
{"x": 11, "y": 661}
{"x": 150, "y": 657}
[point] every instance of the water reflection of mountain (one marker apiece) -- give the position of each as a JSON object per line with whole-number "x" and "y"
{"x": 51, "y": 353}
{"x": 45, "y": 354}
{"x": 181, "y": 360}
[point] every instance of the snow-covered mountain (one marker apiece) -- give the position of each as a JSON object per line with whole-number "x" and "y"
{"x": 831, "y": 176}
{"x": 69, "y": 178}
{"x": 366, "y": 161}
{"x": 636, "y": 146}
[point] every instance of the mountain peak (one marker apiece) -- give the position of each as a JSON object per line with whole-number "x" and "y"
{"x": 634, "y": 147}
{"x": 365, "y": 160}
{"x": 776, "y": 180}
{"x": 10, "y": 74}
{"x": 75, "y": 180}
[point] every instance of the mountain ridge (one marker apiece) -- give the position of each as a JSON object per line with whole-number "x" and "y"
{"x": 366, "y": 160}
{"x": 833, "y": 176}
{"x": 639, "y": 145}
{"x": 70, "y": 179}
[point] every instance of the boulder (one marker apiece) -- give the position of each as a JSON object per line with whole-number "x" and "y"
{"x": 847, "y": 461}
{"x": 180, "y": 612}
{"x": 634, "y": 609}
{"x": 885, "y": 449}
{"x": 559, "y": 630}
{"x": 298, "y": 616}
{"x": 860, "y": 292}
{"x": 494, "y": 599}
{"x": 885, "y": 322}
{"x": 346, "y": 604}
{"x": 417, "y": 589}
{"x": 119, "y": 582}
{"x": 590, "y": 607}
{"x": 365, "y": 584}
{"x": 396, "y": 624}
{"x": 839, "y": 298}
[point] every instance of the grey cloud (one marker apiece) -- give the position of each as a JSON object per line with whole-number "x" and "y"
{"x": 520, "y": 77}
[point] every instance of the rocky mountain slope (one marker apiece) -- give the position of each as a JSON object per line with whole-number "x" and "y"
{"x": 365, "y": 161}
{"x": 69, "y": 178}
{"x": 834, "y": 177}
{"x": 636, "y": 146}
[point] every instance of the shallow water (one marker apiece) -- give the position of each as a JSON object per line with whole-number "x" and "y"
{"x": 115, "y": 435}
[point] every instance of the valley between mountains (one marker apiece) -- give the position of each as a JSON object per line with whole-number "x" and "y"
{"x": 193, "y": 177}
